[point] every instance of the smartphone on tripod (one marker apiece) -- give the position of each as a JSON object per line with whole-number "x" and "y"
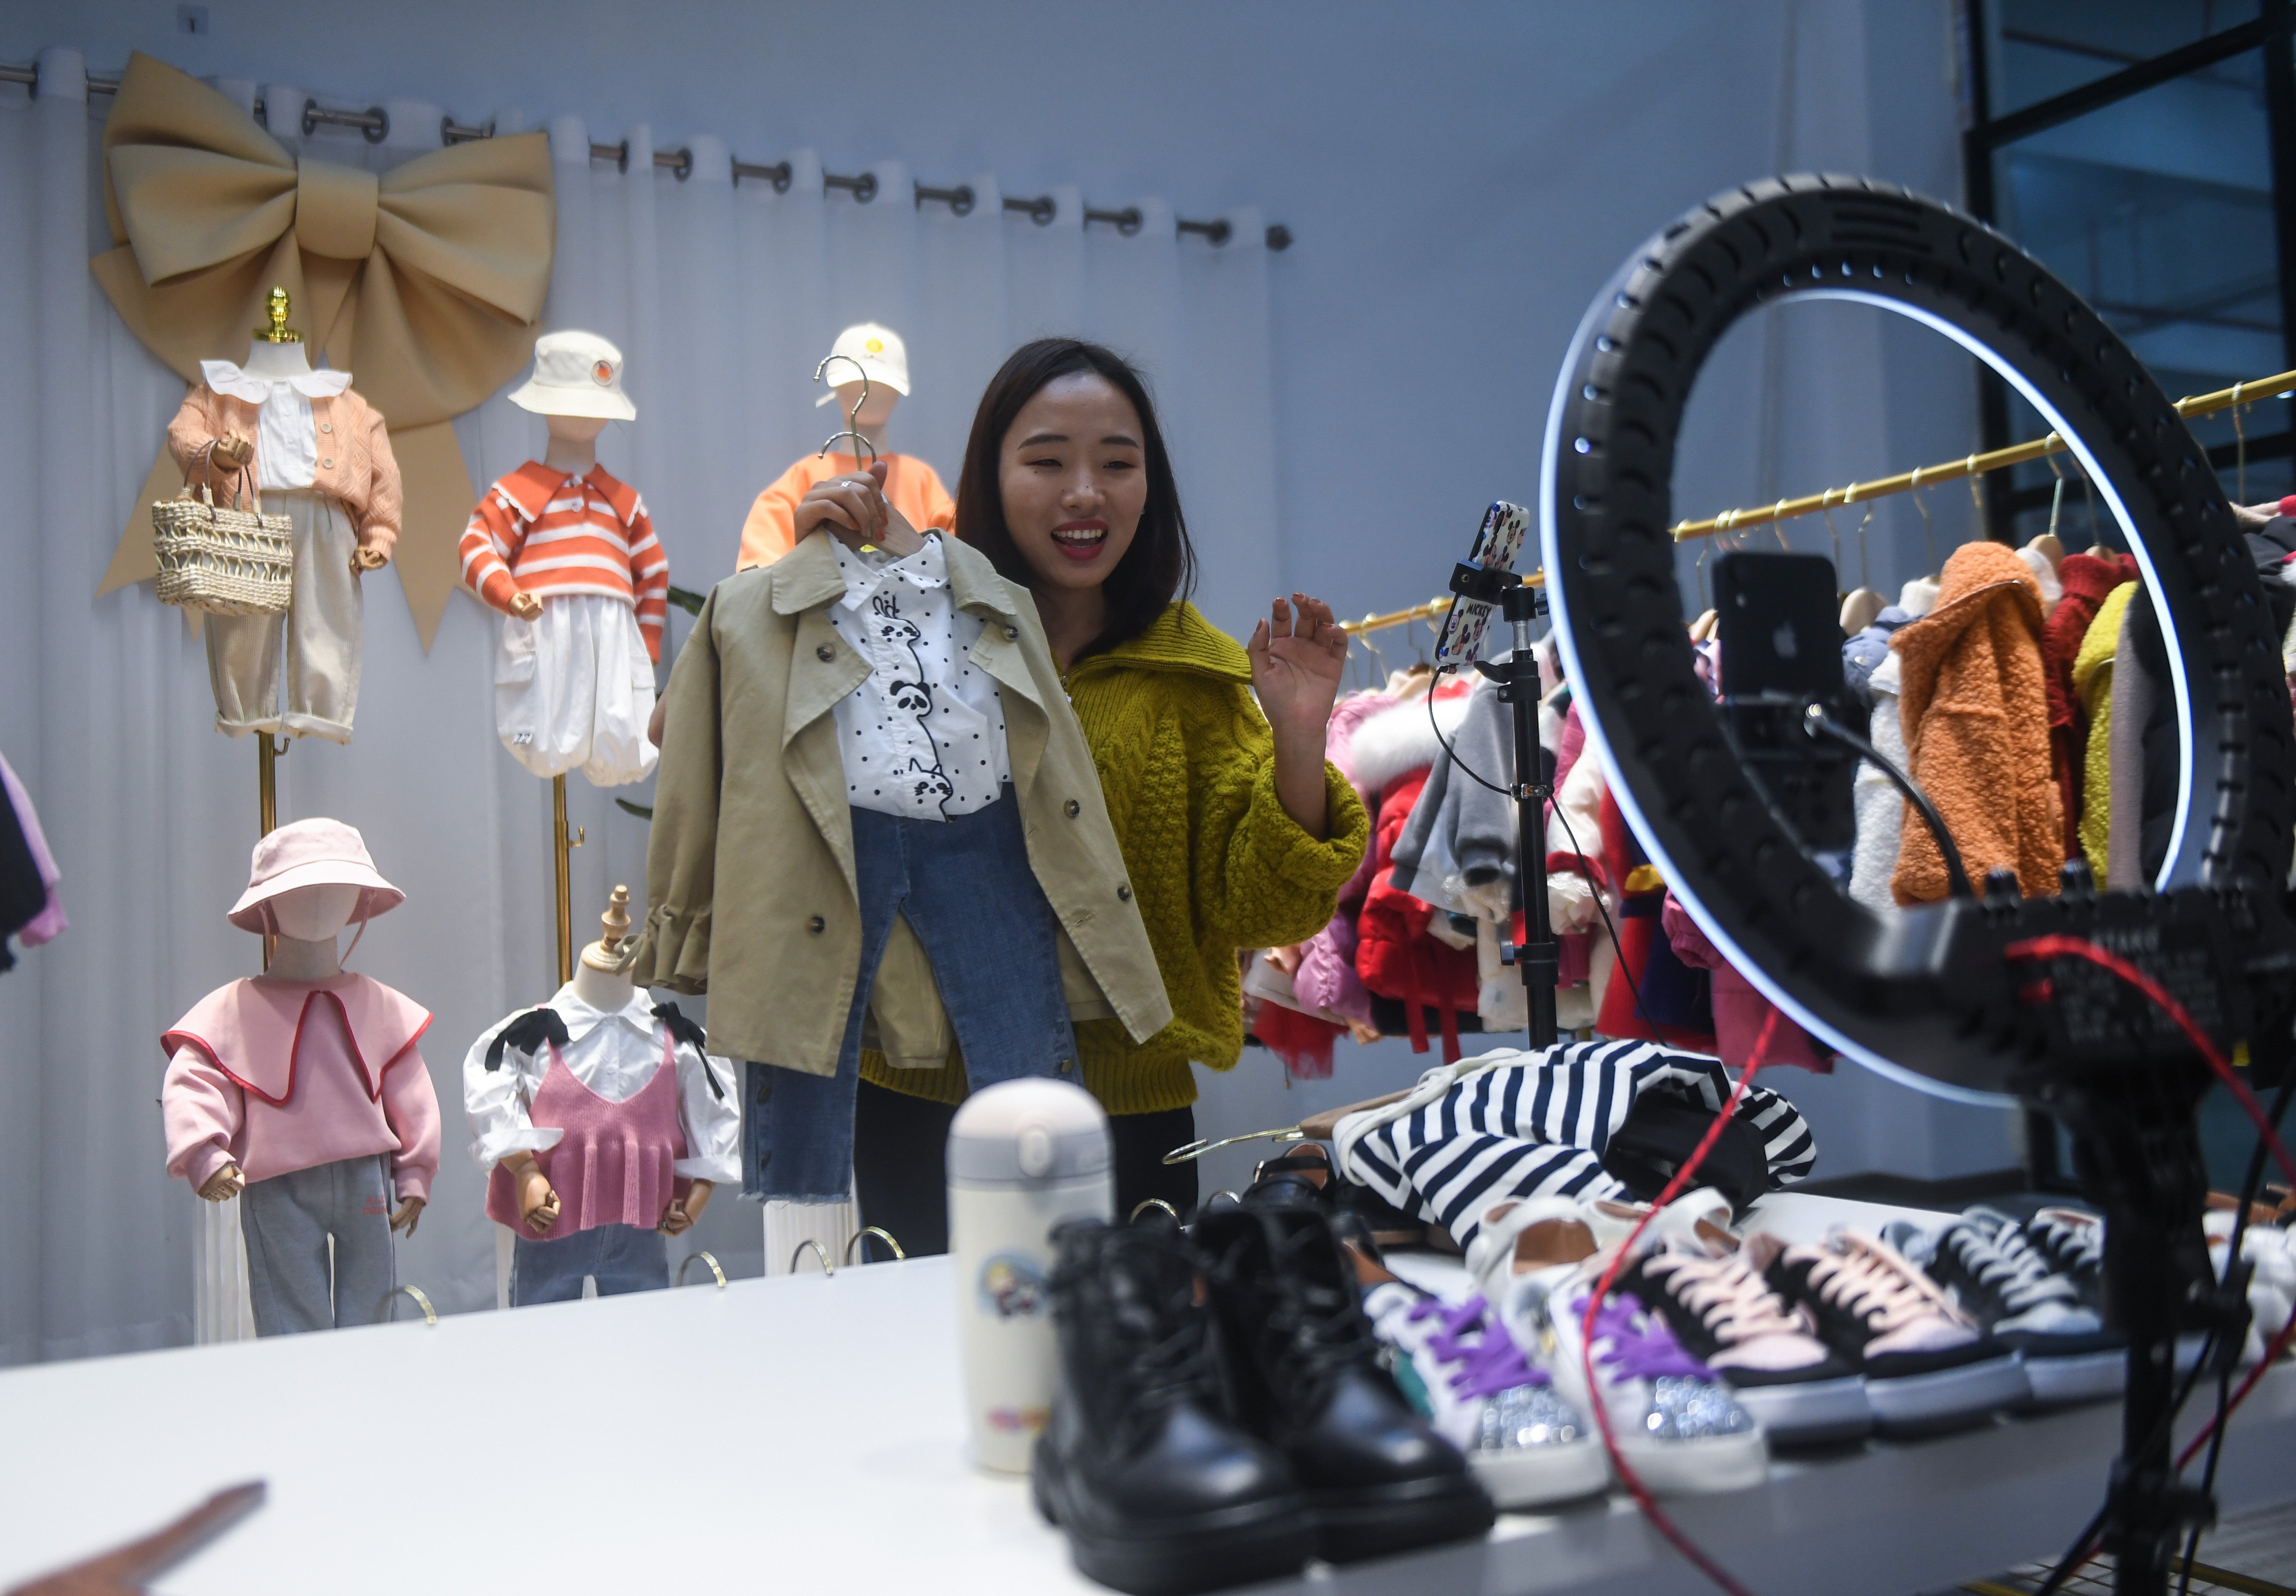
{"x": 1778, "y": 620}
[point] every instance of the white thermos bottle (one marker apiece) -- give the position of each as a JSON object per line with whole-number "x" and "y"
{"x": 1023, "y": 1156}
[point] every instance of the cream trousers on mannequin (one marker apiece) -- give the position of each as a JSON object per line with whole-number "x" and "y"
{"x": 322, "y": 630}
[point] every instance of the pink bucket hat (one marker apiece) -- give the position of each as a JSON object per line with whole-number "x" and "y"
{"x": 312, "y": 853}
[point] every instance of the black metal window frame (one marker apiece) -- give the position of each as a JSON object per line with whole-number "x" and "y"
{"x": 1983, "y": 134}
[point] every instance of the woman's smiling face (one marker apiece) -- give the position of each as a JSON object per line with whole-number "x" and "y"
{"x": 1074, "y": 478}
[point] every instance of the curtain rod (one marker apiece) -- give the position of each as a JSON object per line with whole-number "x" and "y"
{"x": 1973, "y": 465}
{"x": 374, "y": 124}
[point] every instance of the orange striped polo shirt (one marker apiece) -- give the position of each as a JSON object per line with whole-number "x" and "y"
{"x": 538, "y": 530}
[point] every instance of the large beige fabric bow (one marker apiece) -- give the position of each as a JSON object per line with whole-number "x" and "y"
{"x": 424, "y": 282}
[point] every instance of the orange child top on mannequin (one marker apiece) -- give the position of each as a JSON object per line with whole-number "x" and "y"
{"x": 913, "y": 487}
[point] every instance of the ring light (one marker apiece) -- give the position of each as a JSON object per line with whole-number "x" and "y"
{"x": 1924, "y": 993}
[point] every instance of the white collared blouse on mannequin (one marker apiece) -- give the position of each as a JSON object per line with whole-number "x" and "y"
{"x": 614, "y": 1055}
{"x": 287, "y": 440}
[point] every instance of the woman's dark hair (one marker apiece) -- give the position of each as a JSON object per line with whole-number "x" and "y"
{"x": 1160, "y": 565}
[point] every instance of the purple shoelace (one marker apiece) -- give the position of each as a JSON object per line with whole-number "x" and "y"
{"x": 1488, "y": 1364}
{"x": 1637, "y": 1353}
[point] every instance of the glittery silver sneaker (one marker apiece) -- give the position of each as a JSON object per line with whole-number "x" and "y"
{"x": 1457, "y": 1365}
{"x": 1675, "y": 1423}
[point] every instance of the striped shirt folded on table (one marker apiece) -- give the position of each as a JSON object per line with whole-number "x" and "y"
{"x": 541, "y": 531}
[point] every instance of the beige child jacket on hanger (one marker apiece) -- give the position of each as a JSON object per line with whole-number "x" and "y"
{"x": 750, "y": 872}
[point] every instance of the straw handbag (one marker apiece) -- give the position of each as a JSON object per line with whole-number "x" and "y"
{"x": 227, "y": 560}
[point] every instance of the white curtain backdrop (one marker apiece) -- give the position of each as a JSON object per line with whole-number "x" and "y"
{"x": 722, "y": 299}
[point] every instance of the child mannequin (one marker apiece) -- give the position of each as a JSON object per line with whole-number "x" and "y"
{"x": 303, "y": 1092}
{"x": 913, "y": 485}
{"x": 605, "y": 1126}
{"x": 569, "y": 555}
{"x": 322, "y": 455}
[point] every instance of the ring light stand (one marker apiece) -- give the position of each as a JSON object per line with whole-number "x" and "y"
{"x": 1935, "y": 992}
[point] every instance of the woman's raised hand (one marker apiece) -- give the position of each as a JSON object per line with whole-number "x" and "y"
{"x": 855, "y": 509}
{"x": 1298, "y": 654}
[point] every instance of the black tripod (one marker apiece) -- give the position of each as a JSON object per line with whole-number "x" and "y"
{"x": 2139, "y": 1156}
{"x": 1539, "y": 956}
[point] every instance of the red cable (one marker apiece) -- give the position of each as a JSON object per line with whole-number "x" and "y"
{"x": 2079, "y": 947}
{"x": 1665, "y": 1525}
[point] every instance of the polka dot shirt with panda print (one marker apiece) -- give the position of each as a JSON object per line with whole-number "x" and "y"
{"x": 923, "y": 737}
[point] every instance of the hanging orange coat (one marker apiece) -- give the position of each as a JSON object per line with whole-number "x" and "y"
{"x": 1976, "y": 711}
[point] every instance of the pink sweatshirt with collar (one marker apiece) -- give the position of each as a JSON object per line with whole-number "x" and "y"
{"x": 278, "y": 1076}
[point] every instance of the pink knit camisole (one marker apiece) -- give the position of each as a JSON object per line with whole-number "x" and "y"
{"x": 616, "y": 1163}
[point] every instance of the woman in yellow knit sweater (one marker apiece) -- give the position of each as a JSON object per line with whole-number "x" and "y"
{"x": 1235, "y": 833}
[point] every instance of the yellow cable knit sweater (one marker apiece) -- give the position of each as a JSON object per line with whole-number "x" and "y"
{"x": 1188, "y": 766}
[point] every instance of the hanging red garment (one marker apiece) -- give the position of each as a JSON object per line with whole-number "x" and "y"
{"x": 1395, "y": 956}
{"x": 2087, "y": 579}
{"x": 1303, "y": 1042}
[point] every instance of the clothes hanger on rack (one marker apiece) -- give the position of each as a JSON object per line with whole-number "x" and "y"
{"x": 1370, "y": 647}
{"x": 2048, "y": 544}
{"x": 1929, "y": 528}
{"x": 1861, "y": 603}
{"x": 1323, "y": 1126}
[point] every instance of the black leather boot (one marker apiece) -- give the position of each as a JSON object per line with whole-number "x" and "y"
{"x": 1158, "y": 1491}
{"x": 1303, "y": 1373}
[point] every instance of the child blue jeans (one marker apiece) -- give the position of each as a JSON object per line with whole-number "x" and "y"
{"x": 621, "y": 1257}
{"x": 965, "y": 886}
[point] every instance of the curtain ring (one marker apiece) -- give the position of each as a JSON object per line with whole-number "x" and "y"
{"x": 430, "y": 1314}
{"x": 819, "y": 1251}
{"x": 1146, "y": 1203}
{"x": 885, "y": 1236}
{"x": 697, "y": 1254}
{"x": 1777, "y": 525}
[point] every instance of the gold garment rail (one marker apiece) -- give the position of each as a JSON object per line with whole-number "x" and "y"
{"x": 1417, "y": 612}
{"x": 1858, "y": 492}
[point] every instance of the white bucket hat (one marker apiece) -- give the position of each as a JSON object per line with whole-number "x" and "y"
{"x": 312, "y": 853}
{"x": 877, "y": 350}
{"x": 576, "y": 373}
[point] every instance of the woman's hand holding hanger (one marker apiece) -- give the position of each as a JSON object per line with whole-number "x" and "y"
{"x": 1298, "y": 654}
{"x": 856, "y": 512}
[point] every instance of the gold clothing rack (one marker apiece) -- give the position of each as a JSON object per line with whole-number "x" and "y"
{"x": 1418, "y": 612}
{"x": 1973, "y": 465}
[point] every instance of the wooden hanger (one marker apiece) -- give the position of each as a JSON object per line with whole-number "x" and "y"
{"x": 1859, "y": 609}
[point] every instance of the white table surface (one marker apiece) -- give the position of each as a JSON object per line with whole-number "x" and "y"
{"x": 800, "y": 1434}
